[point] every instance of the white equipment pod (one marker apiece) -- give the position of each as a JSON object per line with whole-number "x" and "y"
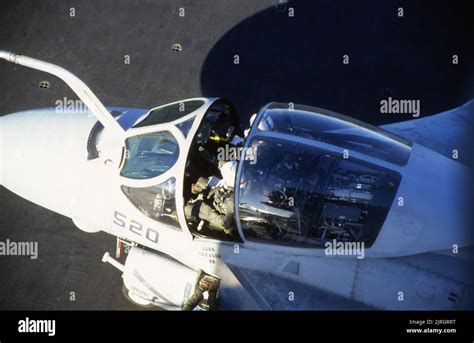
{"x": 156, "y": 279}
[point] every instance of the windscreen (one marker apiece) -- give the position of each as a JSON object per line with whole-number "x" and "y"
{"x": 150, "y": 155}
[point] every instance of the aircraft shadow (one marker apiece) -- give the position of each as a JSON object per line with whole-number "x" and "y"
{"x": 300, "y": 59}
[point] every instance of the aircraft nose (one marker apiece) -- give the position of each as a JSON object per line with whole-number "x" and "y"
{"x": 41, "y": 155}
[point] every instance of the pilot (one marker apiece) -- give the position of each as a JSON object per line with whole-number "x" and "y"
{"x": 221, "y": 215}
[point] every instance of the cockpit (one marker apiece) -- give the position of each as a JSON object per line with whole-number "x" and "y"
{"x": 151, "y": 158}
{"x": 208, "y": 184}
{"x": 316, "y": 176}
{"x": 300, "y": 176}
{"x": 172, "y": 161}
{"x": 297, "y": 193}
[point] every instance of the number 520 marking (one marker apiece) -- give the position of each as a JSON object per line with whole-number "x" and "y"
{"x": 120, "y": 219}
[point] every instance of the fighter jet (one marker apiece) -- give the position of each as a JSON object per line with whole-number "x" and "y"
{"x": 374, "y": 215}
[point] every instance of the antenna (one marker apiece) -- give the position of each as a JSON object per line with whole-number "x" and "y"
{"x": 79, "y": 87}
